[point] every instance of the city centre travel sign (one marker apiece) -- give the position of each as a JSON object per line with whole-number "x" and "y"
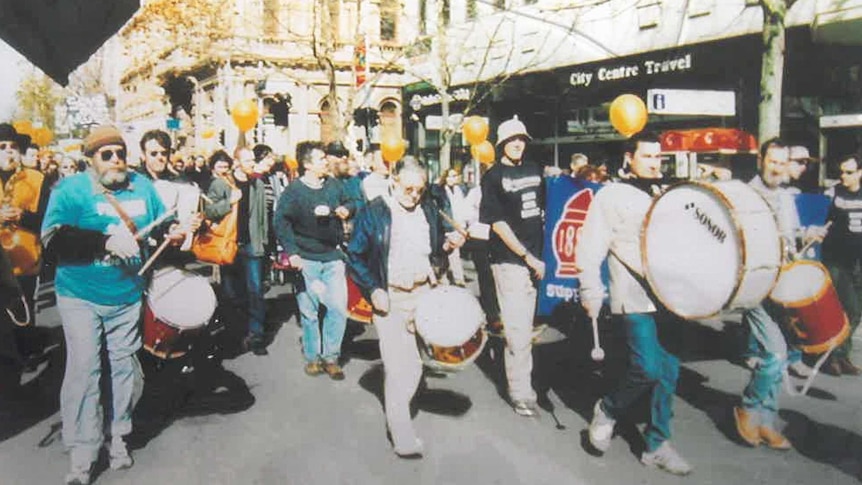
{"x": 631, "y": 70}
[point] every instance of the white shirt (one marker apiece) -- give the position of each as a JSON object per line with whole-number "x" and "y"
{"x": 409, "y": 247}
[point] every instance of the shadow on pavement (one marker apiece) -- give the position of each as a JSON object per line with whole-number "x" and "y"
{"x": 436, "y": 401}
{"x": 33, "y": 401}
{"x": 824, "y": 443}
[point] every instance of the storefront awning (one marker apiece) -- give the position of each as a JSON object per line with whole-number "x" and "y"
{"x": 841, "y": 26}
{"x": 58, "y": 36}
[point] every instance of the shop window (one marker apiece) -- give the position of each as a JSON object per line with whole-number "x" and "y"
{"x": 389, "y": 10}
{"x": 649, "y": 13}
{"x": 699, "y": 8}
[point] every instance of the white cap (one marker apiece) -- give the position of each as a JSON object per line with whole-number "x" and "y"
{"x": 510, "y": 129}
{"x": 798, "y": 152}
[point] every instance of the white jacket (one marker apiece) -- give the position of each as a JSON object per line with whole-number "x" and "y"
{"x": 613, "y": 225}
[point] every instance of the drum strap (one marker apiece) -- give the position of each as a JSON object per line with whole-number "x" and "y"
{"x": 122, "y": 213}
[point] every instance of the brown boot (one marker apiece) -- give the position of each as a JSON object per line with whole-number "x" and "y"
{"x": 747, "y": 430}
{"x": 773, "y": 438}
{"x": 847, "y": 367}
{"x": 832, "y": 367}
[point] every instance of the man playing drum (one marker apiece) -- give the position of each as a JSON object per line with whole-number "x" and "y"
{"x": 755, "y": 418}
{"x": 89, "y": 228}
{"x": 397, "y": 242}
{"x": 613, "y": 226}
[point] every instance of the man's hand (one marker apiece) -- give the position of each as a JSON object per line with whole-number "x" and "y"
{"x": 454, "y": 240}
{"x": 195, "y": 222}
{"x": 537, "y": 266}
{"x": 235, "y": 196}
{"x": 380, "y": 300}
{"x": 342, "y": 212}
{"x": 295, "y": 261}
{"x": 10, "y": 214}
{"x": 814, "y": 233}
{"x": 122, "y": 243}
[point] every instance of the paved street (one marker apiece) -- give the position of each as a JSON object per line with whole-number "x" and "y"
{"x": 307, "y": 431}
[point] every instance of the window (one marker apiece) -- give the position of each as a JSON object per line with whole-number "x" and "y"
{"x": 471, "y": 9}
{"x": 649, "y": 13}
{"x": 500, "y": 4}
{"x": 271, "y": 21}
{"x": 389, "y": 10}
{"x": 699, "y": 8}
{"x": 447, "y": 13}
{"x": 334, "y": 9}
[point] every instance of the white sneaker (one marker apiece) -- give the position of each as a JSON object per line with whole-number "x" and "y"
{"x": 800, "y": 370}
{"x": 601, "y": 428}
{"x": 78, "y": 476}
{"x": 666, "y": 458}
{"x": 525, "y": 408}
{"x": 119, "y": 455}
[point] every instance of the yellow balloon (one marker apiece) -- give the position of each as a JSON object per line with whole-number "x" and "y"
{"x": 208, "y": 133}
{"x": 244, "y": 114}
{"x": 628, "y": 114}
{"x": 23, "y": 127}
{"x": 483, "y": 152}
{"x": 475, "y": 130}
{"x": 392, "y": 149}
{"x": 42, "y": 136}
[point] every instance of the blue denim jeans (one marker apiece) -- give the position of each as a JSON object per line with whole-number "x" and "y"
{"x": 85, "y": 324}
{"x": 325, "y": 284}
{"x": 651, "y": 369}
{"x": 760, "y": 396}
{"x": 242, "y": 281}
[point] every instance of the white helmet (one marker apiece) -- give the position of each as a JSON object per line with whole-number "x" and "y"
{"x": 510, "y": 129}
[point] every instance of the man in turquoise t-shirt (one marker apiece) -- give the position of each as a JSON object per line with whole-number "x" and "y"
{"x": 89, "y": 229}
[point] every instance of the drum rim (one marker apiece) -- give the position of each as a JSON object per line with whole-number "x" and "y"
{"x": 739, "y": 235}
{"x": 429, "y": 361}
{"x": 811, "y": 299}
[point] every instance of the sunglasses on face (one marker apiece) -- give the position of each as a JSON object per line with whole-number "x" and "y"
{"x": 162, "y": 153}
{"x": 107, "y": 155}
{"x": 8, "y": 145}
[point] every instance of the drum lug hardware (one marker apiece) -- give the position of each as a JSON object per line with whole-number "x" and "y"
{"x": 187, "y": 369}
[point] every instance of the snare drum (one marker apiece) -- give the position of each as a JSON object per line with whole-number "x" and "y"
{"x": 178, "y": 307}
{"x": 805, "y": 290}
{"x": 710, "y": 247}
{"x": 449, "y": 325}
{"x": 358, "y": 307}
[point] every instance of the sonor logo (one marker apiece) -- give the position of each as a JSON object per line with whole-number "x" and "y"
{"x": 717, "y": 232}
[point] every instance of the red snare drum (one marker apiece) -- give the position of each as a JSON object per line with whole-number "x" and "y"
{"x": 178, "y": 307}
{"x": 805, "y": 289}
{"x": 358, "y": 307}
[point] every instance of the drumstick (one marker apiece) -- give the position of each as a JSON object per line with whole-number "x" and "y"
{"x": 812, "y": 242}
{"x": 597, "y": 354}
{"x": 149, "y": 227}
{"x": 155, "y": 255}
{"x": 454, "y": 224}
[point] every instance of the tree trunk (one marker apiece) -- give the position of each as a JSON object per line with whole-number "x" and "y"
{"x": 443, "y": 52}
{"x": 772, "y": 68}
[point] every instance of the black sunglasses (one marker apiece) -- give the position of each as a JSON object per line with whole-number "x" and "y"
{"x": 6, "y": 145}
{"x": 107, "y": 155}
{"x": 162, "y": 153}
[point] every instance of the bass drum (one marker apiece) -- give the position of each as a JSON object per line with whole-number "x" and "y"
{"x": 706, "y": 248}
{"x": 449, "y": 328}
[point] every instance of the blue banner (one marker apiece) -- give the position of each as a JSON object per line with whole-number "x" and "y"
{"x": 813, "y": 209}
{"x": 566, "y": 203}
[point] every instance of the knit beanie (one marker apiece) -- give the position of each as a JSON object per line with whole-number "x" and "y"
{"x": 102, "y": 136}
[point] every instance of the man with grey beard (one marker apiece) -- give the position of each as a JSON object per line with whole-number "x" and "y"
{"x": 90, "y": 230}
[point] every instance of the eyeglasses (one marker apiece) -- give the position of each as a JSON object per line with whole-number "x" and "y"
{"x": 107, "y": 155}
{"x": 8, "y": 145}
{"x": 848, "y": 172}
{"x": 162, "y": 153}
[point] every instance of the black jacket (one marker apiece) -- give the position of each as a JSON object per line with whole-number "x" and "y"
{"x": 368, "y": 251}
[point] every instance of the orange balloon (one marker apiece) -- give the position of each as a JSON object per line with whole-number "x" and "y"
{"x": 483, "y": 152}
{"x": 42, "y": 136}
{"x": 628, "y": 114}
{"x": 291, "y": 163}
{"x": 392, "y": 149}
{"x": 244, "y": 114}
{"x": 23, "y": 127}
{"x": 475, "y": 130}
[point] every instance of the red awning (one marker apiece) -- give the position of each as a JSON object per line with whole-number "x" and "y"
{"x": 705, "y": 140}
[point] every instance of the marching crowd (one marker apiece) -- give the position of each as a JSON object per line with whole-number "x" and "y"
{"x": 383, "y": 227}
